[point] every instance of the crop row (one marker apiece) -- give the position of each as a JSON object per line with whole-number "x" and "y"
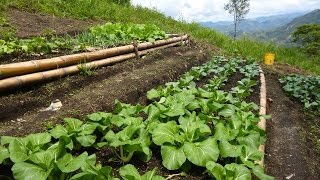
{"x": 98, "y": 36}
{"x": 192, "y": 126}
{"x": 304, "y": 88}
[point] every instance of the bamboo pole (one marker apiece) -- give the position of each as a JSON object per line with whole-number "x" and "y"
{"x": 263, "y": 110}
{"x": 23, "y": 80}
{"x": 21, "y": 68}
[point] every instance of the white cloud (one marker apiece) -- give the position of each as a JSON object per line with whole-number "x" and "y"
{"x": 212, "y": 10}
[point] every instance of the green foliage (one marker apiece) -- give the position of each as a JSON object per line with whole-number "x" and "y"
{"x": 304, "y": 88}
{"x": 99, "y": 36}
{"x": 190, "y": 125}
{"x": 111, "y": 12}
{"x": 85, "y": 70}
{"x": 129, "y": 172}
{"x": 308, "y": 37}
{"x": 140, "y": 32}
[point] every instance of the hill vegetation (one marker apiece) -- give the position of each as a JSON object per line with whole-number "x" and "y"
{"x": 283, "y": 34}
{"x": 122, "y": 11}
{"x": 266, "y": 23}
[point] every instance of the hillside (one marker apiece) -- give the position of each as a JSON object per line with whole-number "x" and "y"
{"x": 252, "y": 25}
{"x": 282, "y": 34}
{"x": 111, "y": 12}
{"x": 102, "y": 89}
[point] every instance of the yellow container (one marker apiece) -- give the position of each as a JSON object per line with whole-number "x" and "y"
{"x": 269, "y": 58}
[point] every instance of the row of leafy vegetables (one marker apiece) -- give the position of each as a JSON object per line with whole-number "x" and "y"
{"x": 192, "y": 126}
{"x": 98, "y": 36}
{"x": 305, "y": 88}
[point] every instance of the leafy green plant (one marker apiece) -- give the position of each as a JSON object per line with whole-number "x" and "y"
{"x": 243, "y": 88}
{"x": 140, "y": 32}
{"x": 129, "y": 172}
{"x": 85, "y": 70}
{"x": 304, "y": 88}
{"x": 205, "y": 127}
{"x": 132, "y": 139}
{"x": 78, "y": 133}
{"x": 188, "y": 140}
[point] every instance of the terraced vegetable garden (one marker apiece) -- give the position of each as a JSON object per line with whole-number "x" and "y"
{"x": 177, "y": 113}
{"x": 203, "y": 127}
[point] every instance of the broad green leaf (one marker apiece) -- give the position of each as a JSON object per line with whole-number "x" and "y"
{"x": 193, "y": 128}
{"x": 221, "y": 132}
{"x": 216, "y": 170}
{"x": 152, "y": 94}
{"x": 176, "y": 109}
{"x": 252, "y": 140}
{"x": 43, "y": 159}
{"x": 86, "y": 140}
{"x": 94, "y": 117}
{"x": 83, "y": 176}
{"x": 39, "y": 139}
{"x": 193, "y": 106}
{"x": 6, "y": 139}
{"x": 87, "y": 129}
{"x": 165, "y": 132}
{"x": 237, "y": 172}
{"x": 59, "y": 148}
{"x": 152, "y": 111}
{"x": 129, "y": 172}
{"x": 68, "y": 164}
{"x": 18, "y": 151}
{"x": 59, "y": 131}
{"x": 27, "y": 171}
{"x": 227, "y": 111}
{"x": 259, "y": 172}
{"x": 73, "y": 125}
{"x": 151, "y": 175}
{"x": 229, "y": 150}
{"x": 172, "y": 157}
{"x": 200, "y": 153}
{"x": 106, "y": 172}
{"x": 4, "y": 154}
{"x": 249, "y": 153}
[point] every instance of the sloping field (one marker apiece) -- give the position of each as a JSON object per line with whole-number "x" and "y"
{"x": 202, "y": 125}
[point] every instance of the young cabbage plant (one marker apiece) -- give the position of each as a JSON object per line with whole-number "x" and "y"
{"x": 80, "y": 134}
{"x": 188, "y": 140}
{"x": 133, "y": 139}
{"x": 91, "y": 170}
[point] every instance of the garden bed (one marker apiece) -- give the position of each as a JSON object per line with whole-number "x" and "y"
{"x": 226, "y": 106}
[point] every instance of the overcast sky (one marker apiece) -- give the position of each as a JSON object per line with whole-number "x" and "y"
{"x": 212, "y": 10}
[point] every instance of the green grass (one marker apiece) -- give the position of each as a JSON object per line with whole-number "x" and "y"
{"x": 111, "y": 12}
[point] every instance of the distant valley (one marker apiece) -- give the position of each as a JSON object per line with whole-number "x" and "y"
{"x": 277, "y": 28}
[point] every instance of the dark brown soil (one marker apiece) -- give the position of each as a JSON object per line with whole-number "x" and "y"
{"x": 20, "y": 111}
{"x": 29, "y": 24}
{"x": 288, "y": 154}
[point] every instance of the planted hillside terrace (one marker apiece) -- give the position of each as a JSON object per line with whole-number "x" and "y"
{"x": 203, "y": 128}
{"x": 97, "y": 37}
{"x": 304, "y": 88}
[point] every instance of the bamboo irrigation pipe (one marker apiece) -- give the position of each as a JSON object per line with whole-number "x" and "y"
{"x": 19, "y": 81}
{"x": 14, "y": 69}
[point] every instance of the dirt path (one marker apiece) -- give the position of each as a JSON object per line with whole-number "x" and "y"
{"x": 286, "y": 150}
{"x": 21, "y": 114}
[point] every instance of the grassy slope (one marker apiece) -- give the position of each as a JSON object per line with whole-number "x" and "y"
{"x": 104, "y": 9}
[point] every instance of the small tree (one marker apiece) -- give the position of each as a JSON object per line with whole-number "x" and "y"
{"x": 237, "y": 8}
{"x": 308, "y": 37}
